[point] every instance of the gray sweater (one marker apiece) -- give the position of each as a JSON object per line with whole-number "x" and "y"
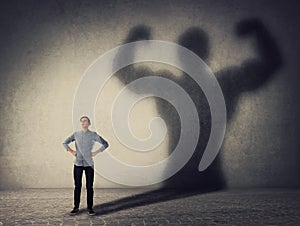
{"x": 84, "y": 142}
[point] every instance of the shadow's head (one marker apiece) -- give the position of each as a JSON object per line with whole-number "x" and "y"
{"x": 196, "y": 40}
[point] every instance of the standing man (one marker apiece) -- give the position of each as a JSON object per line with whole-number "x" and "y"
{"x": 84, "y": 141}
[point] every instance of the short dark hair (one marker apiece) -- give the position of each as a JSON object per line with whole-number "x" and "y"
{"x": 86, "y": 118}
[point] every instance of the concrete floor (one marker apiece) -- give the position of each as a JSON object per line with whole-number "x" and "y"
{"x": 141, "y": 207}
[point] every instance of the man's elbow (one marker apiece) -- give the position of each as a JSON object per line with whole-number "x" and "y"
{"x": 65, "y": 146}
{"x": 105, "y": 145}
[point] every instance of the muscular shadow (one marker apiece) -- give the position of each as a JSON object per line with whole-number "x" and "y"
{"x": 251, "y": 75}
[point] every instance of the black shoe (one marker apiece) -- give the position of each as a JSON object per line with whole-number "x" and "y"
{"x": 91, "y": 212}
{"x": 74, "y": 211}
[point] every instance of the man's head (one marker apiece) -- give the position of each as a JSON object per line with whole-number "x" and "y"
{"x": 85, "y": 122}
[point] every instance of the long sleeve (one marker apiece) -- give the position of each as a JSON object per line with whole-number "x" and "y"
{"x": 100, "y": 139}
{"x": 68, "y": 140}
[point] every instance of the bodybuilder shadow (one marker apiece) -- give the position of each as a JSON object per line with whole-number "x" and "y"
{"x": 249, "y": 76}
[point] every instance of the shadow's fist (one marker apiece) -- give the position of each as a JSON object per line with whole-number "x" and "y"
{"x": 139, "y": 32}
{"x": 248, "y": 26}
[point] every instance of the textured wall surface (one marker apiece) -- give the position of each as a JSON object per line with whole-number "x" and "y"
{"x": 251, "y": 46}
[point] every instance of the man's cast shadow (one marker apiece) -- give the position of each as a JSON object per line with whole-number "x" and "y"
{"x": 247, "y": 77}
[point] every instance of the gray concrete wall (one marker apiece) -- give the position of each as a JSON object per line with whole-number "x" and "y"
{"x": 46, "y": 46}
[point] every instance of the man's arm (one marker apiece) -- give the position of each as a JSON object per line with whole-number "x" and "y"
{"x": 102, "y": 141}
{"x": 67, "y": 141}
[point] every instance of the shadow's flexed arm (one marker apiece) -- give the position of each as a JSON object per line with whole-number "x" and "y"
{"x": 254, "y": 72}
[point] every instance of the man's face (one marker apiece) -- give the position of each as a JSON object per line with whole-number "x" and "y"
{"x": 84, "y": 123}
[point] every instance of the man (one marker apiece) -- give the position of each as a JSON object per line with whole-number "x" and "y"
{"x": 84, "y": 141}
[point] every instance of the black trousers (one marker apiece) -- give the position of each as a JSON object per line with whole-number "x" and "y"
{"x": 89, "y": 176}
